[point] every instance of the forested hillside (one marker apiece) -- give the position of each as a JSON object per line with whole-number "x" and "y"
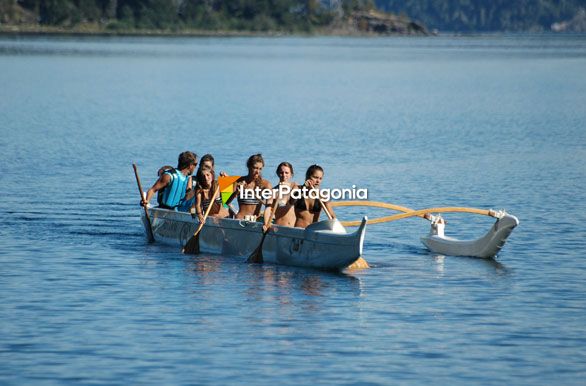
{"x": 298, "y": 15}
{"x": 247, "y": 15}
{"x": 488, "y": 15}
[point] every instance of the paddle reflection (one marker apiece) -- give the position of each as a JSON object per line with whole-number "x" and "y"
{"x": 203, "y": 266}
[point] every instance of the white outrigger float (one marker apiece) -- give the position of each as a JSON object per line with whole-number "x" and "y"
{"x": 323, "y": 245}
{"x": 486, "y": 246}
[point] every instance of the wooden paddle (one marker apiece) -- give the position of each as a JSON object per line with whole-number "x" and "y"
{"x": 150, "y": 234}
{"x": 360, "y": 263}
{"x": 256, "y": 256}
{"x": 192, "y": 245}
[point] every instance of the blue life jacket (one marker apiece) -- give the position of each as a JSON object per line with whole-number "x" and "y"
{"x": 174, "y": 192}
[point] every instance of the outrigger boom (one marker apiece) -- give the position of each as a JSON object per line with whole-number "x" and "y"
{"x": 486, "y": 246}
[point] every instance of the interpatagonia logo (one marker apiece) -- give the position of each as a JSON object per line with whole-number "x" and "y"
{"x": 227, "y": 187}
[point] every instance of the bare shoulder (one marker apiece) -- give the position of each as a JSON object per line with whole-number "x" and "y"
{"x": 165, "y": 178}
{"x": 266, "y": 184}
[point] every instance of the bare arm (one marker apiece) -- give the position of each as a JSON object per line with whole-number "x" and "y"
{"x": 198, "y": 207}
{"x": 189, "y": 192}
{"x": 329, "y": 208}
{"x": 269, "y": 209}
{"x": 158, "y": 185}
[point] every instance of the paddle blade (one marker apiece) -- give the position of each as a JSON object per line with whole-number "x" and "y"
{"x": 358, "y": 264}
{"x": 256, "y": 256}
{"x": 192, "y": 246}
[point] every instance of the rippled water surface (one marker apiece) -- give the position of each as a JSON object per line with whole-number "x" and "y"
{"x": 484, "y": 121}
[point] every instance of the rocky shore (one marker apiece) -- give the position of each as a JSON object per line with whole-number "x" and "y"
{"x": 359, "y": 23}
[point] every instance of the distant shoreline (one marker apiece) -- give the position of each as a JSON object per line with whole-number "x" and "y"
{"x": 54, "y": 31}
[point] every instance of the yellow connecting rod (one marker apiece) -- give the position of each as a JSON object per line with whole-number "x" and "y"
{"x": 407, "y": 212}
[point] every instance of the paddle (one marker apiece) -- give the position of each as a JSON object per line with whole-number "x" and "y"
{"x": 149, "y": 227}
{"x": 360, "y": 263}
{"x": 192, "y": 245}
{"x": 256, "y": 256}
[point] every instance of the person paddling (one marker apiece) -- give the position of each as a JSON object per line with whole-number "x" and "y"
{"x": 206, "y": 186}
{"x": 173, "y": 183}
{"x": 250, "y": 205}
{"x": 284, "y": 213}
{"x": 307, "y": 210}
{"x": 188, "y": 205}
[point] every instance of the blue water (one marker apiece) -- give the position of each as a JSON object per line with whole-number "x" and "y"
{"x": 483, "y": 121}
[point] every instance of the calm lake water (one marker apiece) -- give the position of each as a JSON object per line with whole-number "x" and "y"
{"x": 481, "y": 121}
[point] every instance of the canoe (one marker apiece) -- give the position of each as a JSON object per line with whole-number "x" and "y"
{"x": 486, "y": 246}
{"x": 322, "y": 245}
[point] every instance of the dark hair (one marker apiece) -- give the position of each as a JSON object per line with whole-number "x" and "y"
{"x": 205, "y": 158}
{"x": 312, "y": 169}
{"x": 250, "y": 163}
{"x": 200, "y": 178}
{"x": 287, "y": 164}
{"x": 186, "y": 159}
{"x": 254, "y": 159}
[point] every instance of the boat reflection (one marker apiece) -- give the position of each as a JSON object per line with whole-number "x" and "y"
{"x": 258, "y": 280}
{"x": 286, "y": 280}
{"x": 493, "y": 265}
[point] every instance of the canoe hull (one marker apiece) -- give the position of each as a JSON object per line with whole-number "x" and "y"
{"x": 324, "y": 245}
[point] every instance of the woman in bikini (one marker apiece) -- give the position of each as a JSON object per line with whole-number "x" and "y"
{"x": 206, "y": 162}
{"x": 307, "y": 210}
{"x": 250, "y": 207}
{"x": 284, "y": 213}
{"x": 206, "y": 186}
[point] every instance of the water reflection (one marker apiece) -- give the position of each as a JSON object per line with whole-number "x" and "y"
{"x": 280, "y": 281}
{"x": 306, "y": 281}
{"x": 493, "y": 265}
{"x": 440, "y": 263}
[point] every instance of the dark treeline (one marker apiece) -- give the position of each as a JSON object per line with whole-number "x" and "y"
{"x": 287, "y": 15}
{"x": 252, "y": 15}
{"x": 486, "y": 15}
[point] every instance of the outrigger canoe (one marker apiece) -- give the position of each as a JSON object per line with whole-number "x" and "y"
{"x": 323, "y": 245}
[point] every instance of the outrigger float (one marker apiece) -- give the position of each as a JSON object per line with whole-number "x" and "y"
{"x": 323, "y": 245}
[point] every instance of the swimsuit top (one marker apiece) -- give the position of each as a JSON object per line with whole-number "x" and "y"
{"x": 301, "y": 205}
{"x": 205, "y": 202}
{"x": 248, "y": 201}
{"x": 285, "y": 200}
